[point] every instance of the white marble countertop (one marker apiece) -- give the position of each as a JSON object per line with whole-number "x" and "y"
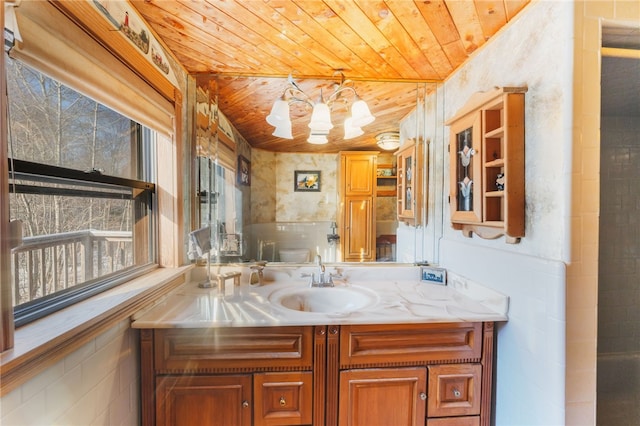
{"x": 390, "y": 296}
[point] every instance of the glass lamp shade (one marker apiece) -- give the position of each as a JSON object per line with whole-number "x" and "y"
{"x": 361, "y": 114}
{"x": 283, "y": 131}
{"x": 279, "y": 113}
{"x": 350, "y": 131}
{"x": 388, "y": 140}
{"x": 318, "y": 138}
{"x": 389, "y": 145}
{"x": 320, "y": 118}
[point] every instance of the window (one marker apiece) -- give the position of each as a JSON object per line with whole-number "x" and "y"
{"x": 81, "y": 182}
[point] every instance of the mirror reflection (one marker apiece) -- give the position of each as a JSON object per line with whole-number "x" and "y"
{"x": 279, "y": 206}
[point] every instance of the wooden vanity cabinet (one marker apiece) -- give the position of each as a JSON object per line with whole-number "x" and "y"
{"x": 228, "y": 376}
{"x": 416, "y": 374}
{"x": 436, "y": 374}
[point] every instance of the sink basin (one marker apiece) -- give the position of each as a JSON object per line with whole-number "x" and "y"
{"x": 324, "y": 300}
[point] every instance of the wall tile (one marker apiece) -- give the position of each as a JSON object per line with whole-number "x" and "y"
{"x": 86, "y": 388}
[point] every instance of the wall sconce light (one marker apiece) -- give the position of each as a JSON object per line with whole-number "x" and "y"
{"x": 388, "y": 140}
{"x": 320, "y": 123}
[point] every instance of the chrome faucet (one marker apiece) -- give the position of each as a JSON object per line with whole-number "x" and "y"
{"x": 319, "y": 279}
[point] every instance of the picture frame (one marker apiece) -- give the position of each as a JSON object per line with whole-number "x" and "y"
{"x": 306, "y": 180}
{"x": 244, "y": 171}
{"x": 432, "y": 275}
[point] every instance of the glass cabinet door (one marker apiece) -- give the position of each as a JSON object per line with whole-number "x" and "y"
{"x": 409, "y": 182}
{"x": 465, "y": 142}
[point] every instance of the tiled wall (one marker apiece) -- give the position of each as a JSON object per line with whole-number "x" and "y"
{"x": 619, "y": 264}
{"x": 582, "y": 272}
{"x": 95, "y": 385}
{"x": 274, "y": 236}
{"x": 530, "y": 356}
{"x": 534, "y": 51}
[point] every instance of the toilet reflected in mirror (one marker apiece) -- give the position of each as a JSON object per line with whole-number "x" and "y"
{"x": 294, "y": 255}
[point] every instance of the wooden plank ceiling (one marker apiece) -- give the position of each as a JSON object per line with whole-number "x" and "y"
{"x": 388, "y": 49}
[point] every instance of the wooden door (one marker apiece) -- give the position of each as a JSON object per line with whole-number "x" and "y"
{"x": 203, "y": 400}
{"x": 385, "y": 396}
{"x": 358, "y": 231}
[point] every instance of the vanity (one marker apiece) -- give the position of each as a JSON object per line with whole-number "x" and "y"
{"x": 380, "y": 347}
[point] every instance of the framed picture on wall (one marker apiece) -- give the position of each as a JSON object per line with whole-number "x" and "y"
{"x": 306, "y": 180}
{"x": 244, "y": 171}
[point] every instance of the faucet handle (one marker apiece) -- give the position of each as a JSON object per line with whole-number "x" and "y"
{"x": 310, "y": 276}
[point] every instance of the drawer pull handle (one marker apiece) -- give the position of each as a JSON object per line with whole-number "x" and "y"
{"x": 245, "y": 404}
{"x": 283, "y": 401}
{"x": 423, "y": 396}
{"x": 456, "y": 393}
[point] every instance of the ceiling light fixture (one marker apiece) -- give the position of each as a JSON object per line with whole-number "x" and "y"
{"x": 320, "y": 123}
{"x": 388, "y": 140}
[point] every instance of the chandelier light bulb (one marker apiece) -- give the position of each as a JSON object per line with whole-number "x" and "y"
{"x": 279, "y": 113}
{"x": 361, "y": 114}
{"x": 318, "y": 138}
{"x": 321, "y": 117}
{"x": 283, "y": 131}
{"x": 350, "y": 131}
{"x": 320, "y": 122}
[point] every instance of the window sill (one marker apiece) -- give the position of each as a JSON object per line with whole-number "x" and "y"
{"x": 41, "y": 343}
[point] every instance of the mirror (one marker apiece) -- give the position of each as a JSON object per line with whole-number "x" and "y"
{"x": 248, "y": 197}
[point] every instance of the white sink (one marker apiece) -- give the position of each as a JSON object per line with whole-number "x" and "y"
{"x": 325, "y": 299}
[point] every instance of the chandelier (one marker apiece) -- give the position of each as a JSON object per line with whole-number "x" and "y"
{"x": 320, "y": 123}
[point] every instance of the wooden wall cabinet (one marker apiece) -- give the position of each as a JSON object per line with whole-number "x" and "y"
{"x": 357, "y": 200}
{"x": 410, "y": 185}
{"x": 486, "y": 152}
{"x": 436, "y": 374}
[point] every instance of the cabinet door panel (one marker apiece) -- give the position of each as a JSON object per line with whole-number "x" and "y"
{"x": 465, "y": 195}
{"x": 203, "y": 400}
{"x": 383, "y": 397}
{"x": 358, "y": 236}
{"x": 359, "y": 174}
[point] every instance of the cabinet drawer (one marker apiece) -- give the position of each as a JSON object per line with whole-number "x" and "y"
{"x": 282, "y": 398}
{"x": 400, "y": 344}
{"x": 455, "y": 421}
{"x": 454, "y": 390}
{"x": 233, "y": 349}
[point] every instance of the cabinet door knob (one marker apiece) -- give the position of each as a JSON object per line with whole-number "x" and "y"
{"x": 456, "y": 393}
{"x": 283, "y": 401}
{"x": 245, "y": 404}
{"x": 423, "y": 396}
